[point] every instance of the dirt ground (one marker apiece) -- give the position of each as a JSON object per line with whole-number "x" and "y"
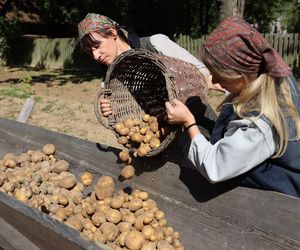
{"x": 64, "y": 101}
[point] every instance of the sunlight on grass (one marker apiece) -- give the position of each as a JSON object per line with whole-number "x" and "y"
{"x": 20, "y": 93}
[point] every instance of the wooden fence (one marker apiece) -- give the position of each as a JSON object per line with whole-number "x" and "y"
{"x": 64, "y": 53}
{"x": 287, "y": 45}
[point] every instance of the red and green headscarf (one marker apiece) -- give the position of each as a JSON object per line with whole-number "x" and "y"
{"x": 239, "y": 46}
{"x": 95, "y": 22}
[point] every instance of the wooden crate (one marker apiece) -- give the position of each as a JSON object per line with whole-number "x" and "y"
{"x": 219, "y": 216}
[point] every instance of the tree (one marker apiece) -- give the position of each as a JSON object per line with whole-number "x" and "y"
{"x": 231, "y": 7}
{"x": 268, "y": 14}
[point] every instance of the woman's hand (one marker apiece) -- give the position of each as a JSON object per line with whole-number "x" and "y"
{"x": 178, "y": 113}
{"x": 105, "y": 107}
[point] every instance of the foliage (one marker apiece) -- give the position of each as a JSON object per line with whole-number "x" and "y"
{"x": 10, "y": 35}
{"x": 146, "y": 17}
{"x": 265, "y": 13}
{"x": 23, "y": 90}
{"x": 291, "y": 16}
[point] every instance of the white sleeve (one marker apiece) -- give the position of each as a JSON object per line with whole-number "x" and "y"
{"x": 166, "y": 46}
{"x": 244, "y": 146}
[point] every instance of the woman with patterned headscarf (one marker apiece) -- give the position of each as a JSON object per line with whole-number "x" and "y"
{"x": 256, "y": 136}
{"x": 104, "y": 39}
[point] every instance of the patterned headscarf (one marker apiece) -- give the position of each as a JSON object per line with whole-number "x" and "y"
{"x": 95, "y": 22}
{"x": 237, "y": 45}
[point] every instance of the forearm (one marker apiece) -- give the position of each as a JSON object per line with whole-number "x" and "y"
{"x": 230, "y": 156}
{"x": 192, "y": 130}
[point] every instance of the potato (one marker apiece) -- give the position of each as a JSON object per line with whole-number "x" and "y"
{"x": 168, "y": 231}
{"x": 154, "y": 143}
{"x": 146, "y": 118}
{"x": 61, "y": 213}
{"x": 37, "y": 156}
{"x": 134, "y": 240}
{"x": 124, "y": 226}
{"x": 87, "y": 224}
{"x": 148, "y": 231}
{"x": 22, "y": 158}
{"x": 110, "y": 230}
{"x": 124, "y": 155}
{"x": 142, "y": 151}
{"x": 104, "y": 187}
{"x": 163, "y": 222}
{"x": 98, "y": 219}
{"x": 153, "y": 127}
{"x": 122, "y": 140}
{"x": 62, "y": 199}
{"x": 121, "y": 238}
{"x": 159, "y": 215}
{"x": 100, "y": 237}
{"x": 23, "y": 194}
{"x": 118, "y": 126}
{"x": 148, "y": 137}
{"x": 49, "y": 149}
{"x": 177, "y": 244}
{"x": 75, "y": 222}
{"x": 136, "y": 137}
{"x": 163, "y": 245}
{"x": 143, "y": 195}
{"x": 149, "y": 246}
{"x": 68, "y": 182}
{"x": 144, "y": 130}
{"x": 128, "y": 122}
{"x": 124, "y": 131}
{"x": 117, "y": 201}
{"x": 60, "y": 166}
{"x": 127, "y": 172}
{"x": 130, "y": 218}
{"x": 86, "y": 178}
{"x": 135, "y": 204}
{"x": 10, "y": 163}
{"x": 113, "y": 215}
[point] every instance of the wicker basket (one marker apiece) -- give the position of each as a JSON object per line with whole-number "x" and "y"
{"x": 140, "y": 82}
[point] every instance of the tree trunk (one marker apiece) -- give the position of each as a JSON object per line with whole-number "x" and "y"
{"x": 231, "y": 7}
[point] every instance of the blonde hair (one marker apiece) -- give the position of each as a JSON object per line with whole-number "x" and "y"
{"x": 265, "y": 95}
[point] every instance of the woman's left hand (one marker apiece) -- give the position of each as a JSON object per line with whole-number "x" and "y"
{"x": 178, "y": 113}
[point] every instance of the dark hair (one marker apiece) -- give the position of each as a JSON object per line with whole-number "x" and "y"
{"x": 132, "y": 39}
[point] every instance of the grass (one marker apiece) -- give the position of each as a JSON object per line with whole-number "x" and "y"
{"x": 48, "y": 108}
{"x": 20, "y": 93}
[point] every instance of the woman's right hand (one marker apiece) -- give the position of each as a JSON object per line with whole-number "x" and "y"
{"x": 105, "y": 107}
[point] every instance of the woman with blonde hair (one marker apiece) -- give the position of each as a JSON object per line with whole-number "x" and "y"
{"x": 256, "y": 136}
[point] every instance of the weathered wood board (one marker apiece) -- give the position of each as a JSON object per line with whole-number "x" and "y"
{"x": 207, "y": 216}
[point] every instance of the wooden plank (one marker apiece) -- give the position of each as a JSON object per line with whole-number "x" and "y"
{"x": 207, "y": 216}
{"x": 41, "y": 229}
{"x": 285, "y": 50}
{"x": 10, "y": 238}
{"x": 26, "y": 110}
{"x": 280, "y": 44}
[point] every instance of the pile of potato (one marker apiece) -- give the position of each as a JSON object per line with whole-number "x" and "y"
{"x": 140, "y": 135}
{"x": 117, "y": 219}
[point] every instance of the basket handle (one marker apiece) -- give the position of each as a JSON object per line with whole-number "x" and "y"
{"x": 170, "y": 87}
{"x": 105, "y": 92}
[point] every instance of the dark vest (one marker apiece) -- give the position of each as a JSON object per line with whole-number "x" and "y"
{"x": 281, "y": 174}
